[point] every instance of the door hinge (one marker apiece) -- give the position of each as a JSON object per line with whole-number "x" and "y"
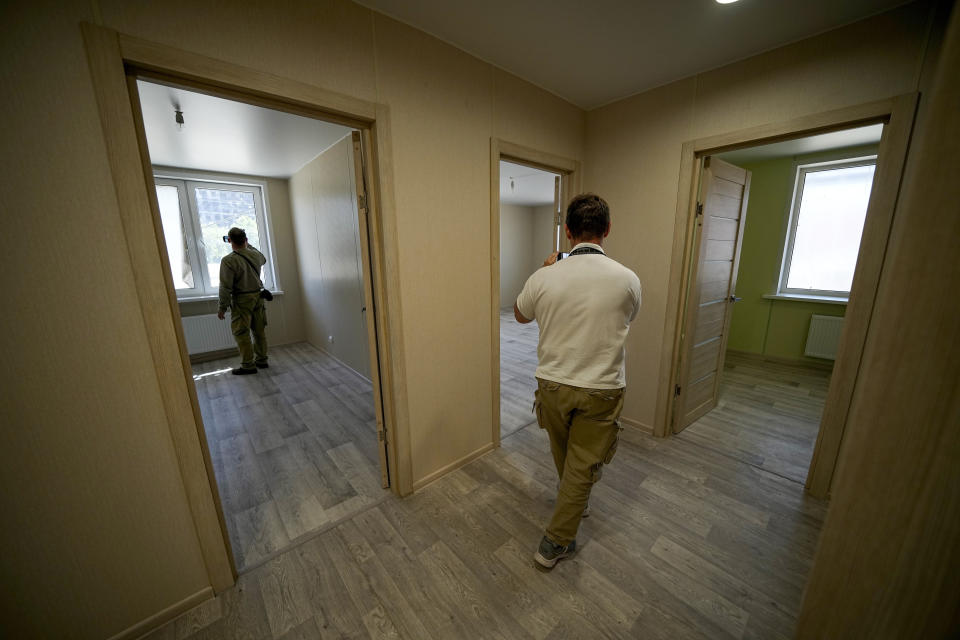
{"x": 676, "y": 390}
{"x": 699, "y": 208}
{"x": 381, "y": 436}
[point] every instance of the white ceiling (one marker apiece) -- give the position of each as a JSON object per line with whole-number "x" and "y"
{"x": 531, "y": 187}
{"x": 592, "y": 53}
{"x": 811, "y": 144}
{"x": 227, "y": 136}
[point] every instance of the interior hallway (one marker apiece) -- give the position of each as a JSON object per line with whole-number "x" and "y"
{"x": 768, "y": 415}
{"x": 518, "y": 362}
{"x": 683, "y": 542}
{"x": 294, "y": 448}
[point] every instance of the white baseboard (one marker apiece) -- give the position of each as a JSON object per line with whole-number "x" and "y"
{"x": 161, "y": 618}
{"x": 453, "y": 466}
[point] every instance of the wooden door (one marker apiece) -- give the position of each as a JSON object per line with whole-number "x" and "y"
{"x": 721, "y": 214}
{"x": 362, "y": 220}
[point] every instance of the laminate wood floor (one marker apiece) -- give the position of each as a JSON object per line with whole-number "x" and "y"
{"x": 518, "y": 362}
{"x": 294, "y": 448}
{"x": 768, "y": 415}
{"x": 683, "y": 542}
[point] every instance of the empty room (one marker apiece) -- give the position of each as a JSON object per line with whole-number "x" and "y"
{"x": 528, "y": 234}
{"x": 772, "y": 288}
{"x": 362, "y": 483}
{"x": 294, "y": 445}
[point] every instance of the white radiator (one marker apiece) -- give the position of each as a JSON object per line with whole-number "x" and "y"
{"x": 823, "y": 337}
{"x": 207, "y": 333}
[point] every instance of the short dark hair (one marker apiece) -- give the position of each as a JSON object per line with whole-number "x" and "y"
{"x": 237, "y": 235}
{"x": 588, "y": 216}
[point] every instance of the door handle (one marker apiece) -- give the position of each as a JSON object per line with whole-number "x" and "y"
{"x": 735, "y": 299}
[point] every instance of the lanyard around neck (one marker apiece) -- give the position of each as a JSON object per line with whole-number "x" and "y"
{"x": 583, "y": 250}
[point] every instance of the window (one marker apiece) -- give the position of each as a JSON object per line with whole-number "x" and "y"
{"x": 195, "y": 215}
{"x": 826, "y": 221}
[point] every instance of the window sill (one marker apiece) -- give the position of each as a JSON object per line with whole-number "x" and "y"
{"x": 797, "y": 297}
{"x": 214, "y": 296}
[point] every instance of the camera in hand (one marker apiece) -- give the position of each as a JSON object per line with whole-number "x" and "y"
{"x": 561, "y": 255}
{"x": 226, "y": 239}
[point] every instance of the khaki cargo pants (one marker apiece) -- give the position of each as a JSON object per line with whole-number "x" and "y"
{"x": 248, "y": 315}
{"x": 584, "y": 429}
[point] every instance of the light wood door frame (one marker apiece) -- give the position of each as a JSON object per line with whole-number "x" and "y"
{"x": 364, "y": 230}
{"x": 113, "y": 59}
{"x": 569, "y": 169}
{"x": 897, "y": 113}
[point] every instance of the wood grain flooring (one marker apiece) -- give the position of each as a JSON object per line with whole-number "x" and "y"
{"x": 294, "y": 448}
{"x": 684, "y": 542}
{"x": 518, "y": 362}
{"x": 768, "y": 415}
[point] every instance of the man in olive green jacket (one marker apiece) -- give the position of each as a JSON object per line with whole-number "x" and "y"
{"x": 240, "y": 287}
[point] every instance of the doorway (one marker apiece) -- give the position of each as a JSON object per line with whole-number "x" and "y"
{"x": 297, "y": 445}
{"x": 528, "y": 192}
{"x": 529, "y": 232}
{"x": 896, "y": 116}
{"x": 780, "y": 232}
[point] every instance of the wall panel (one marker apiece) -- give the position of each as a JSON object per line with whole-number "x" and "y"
{"x": 634, "y": 145}
{"x": 328, "y": 248}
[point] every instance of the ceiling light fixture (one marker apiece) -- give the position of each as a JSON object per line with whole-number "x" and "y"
{"x": 726, "y": 1}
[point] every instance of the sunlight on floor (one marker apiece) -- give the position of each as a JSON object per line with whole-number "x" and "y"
{"x": 211, "y": 373}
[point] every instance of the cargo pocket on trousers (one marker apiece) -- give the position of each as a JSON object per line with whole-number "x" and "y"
{"x": 613, "y": 447}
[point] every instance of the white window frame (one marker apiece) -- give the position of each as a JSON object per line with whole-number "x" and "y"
{"x": 801, "y": 173}
{"x": 186, "y": 183}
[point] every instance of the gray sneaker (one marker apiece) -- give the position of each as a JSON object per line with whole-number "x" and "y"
{"x": 549, "y": 553}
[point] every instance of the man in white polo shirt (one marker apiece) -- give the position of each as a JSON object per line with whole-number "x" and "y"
{"x": 584, "y": 305}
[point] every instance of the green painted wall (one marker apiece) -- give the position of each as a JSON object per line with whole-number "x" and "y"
{"x": 775, "y": 328}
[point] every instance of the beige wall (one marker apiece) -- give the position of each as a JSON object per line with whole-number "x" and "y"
{"x": 328, "y": 246}
{"x": 544, "y": 234}
{"x": 516, "y": 243}
{"x": 96, "y": 521}
{"x": 886, "y": 563}
{"x": 285, "y": 312}
{"x": 96, "y": 532}
{"x": 526, "y": 239}
{"x": 445, "y": 106}
{"x": 633, "y": 146}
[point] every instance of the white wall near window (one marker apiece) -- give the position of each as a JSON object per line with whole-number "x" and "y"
{"x": 327, "y": 233}
{"x": 544, "y": 235}
{"x": 285, "y": 312}
{"x": 826, "y": 221}
{"x": 516, "y": 239}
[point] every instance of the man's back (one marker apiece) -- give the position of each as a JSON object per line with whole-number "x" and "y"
{"x": 584, "y": 305}
{"x": 240, "y": 270}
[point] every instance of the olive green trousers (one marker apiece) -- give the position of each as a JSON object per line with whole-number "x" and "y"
{"x": 584, "y": 429}
{"x": 249, "y": 315}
